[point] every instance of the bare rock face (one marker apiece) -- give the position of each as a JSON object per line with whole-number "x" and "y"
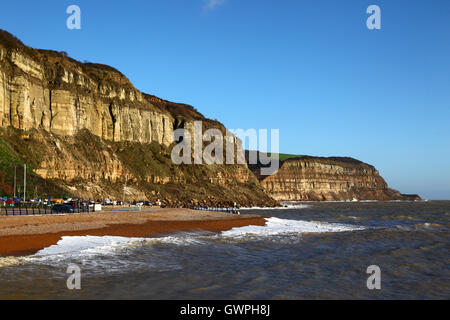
{"x": 328, "y": 179}
{"x": 85, "y": 128}
{"x": 47, "y": 90}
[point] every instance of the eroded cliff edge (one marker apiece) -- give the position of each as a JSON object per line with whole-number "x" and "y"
{"x": 327, "y": 179}
{"x": 84, "y": 130}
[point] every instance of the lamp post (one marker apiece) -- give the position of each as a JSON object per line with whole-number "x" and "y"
{"x": 124, "y": 188}
{"x": 15, "y": 177}
{"x": 24, "y": 182}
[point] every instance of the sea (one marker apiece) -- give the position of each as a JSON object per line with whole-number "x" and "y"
{"x": 306, "y": 251}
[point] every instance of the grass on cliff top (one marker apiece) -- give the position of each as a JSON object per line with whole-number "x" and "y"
{"x": 175, "y": 109}
{"x": 284, "y": 156}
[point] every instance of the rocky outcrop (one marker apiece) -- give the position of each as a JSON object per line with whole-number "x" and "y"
{"x": 328, "y": 179}
{"x": 85, "y": 128}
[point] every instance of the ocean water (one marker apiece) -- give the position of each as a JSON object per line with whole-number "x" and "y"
{"x": 308, "y": 251}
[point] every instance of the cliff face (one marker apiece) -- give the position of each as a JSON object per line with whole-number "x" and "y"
{"x": 47, "y": 90}
{"x": 81, "y": 127}
{"x": 328, "y": 179}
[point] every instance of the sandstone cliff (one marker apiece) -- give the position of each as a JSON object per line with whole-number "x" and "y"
{"x": 46, "y": 89}
{"x": 86, "y": 131}
{"x": 328, "y": 179}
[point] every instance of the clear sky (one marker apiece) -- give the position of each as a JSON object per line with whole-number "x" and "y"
{"x": 309, "y": 68}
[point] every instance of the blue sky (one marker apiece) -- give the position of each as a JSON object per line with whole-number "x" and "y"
{"x": 309, "y": 68}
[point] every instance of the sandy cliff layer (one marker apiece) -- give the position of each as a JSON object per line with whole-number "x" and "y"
{"x": 328, "y": 179}
{"x": 81, "y": 127}
{"x": 45, "y": 89}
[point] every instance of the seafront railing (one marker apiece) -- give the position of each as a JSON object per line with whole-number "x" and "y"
{"x": 216, "y": 209}
{"x": 37, "y": 211}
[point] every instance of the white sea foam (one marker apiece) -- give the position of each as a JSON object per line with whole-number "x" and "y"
{"x": 107, "y": 245}
{"x": 79, "y": 248}
{"x": 276, "y": 226}
{"x": 87, "y": 245}
{"x": 10, "y": 261}
{"x": 107, "y": 254}
{"x": 90, "y": 246}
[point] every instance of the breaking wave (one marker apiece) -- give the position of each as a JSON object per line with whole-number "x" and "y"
{"x": 276, "y": 226}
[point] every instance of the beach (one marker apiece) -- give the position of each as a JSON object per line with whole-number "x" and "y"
{"x": 26, "y": 235}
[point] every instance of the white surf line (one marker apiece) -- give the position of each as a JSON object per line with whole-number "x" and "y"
{"x": 276, "y": 226}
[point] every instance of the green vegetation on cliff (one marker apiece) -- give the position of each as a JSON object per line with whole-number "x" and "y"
{"x": 16, "y": 149}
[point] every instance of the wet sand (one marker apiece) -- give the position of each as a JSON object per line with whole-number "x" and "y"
{"x": 21, "y": 236}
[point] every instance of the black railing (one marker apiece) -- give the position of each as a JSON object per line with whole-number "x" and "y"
{"x": 216, "y": 209}
{"x": 37, "y": 211}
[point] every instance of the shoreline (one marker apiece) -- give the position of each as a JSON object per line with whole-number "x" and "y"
{"x": 26, "y": 235}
